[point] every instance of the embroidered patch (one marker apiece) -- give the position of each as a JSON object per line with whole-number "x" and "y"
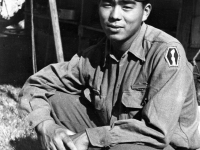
{"x": 172, "y": 57}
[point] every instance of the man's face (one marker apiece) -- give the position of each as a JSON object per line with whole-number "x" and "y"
{"x": 121, "y": 19}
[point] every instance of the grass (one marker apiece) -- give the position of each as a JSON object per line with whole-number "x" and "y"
{"x": 15, "y": 133}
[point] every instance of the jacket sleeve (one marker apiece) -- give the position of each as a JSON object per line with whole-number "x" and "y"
{"x": 33, "y": 98}
{"x": 171, "y": 80}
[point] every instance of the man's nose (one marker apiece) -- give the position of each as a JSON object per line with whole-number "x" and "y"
{"x": 115, "y": 13}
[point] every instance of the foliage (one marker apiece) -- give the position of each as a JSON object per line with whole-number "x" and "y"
{"x": 10, "y": 7}
{"x": 15, "y": 133}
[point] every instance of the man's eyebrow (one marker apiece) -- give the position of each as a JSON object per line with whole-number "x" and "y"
{"x": 107, "y": 0}
{"x": 127, "y": 1}
{"x": 124, "y": 1}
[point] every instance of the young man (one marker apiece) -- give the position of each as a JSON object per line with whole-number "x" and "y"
{"x": 133, "y": 90}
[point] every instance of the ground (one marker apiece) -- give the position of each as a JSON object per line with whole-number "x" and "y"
{"x": 15, "y": 133}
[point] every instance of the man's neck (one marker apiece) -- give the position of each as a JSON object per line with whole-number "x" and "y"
{"x": 120, "y": 47}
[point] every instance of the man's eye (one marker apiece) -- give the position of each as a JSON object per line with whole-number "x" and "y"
{"x": 127, "y": 7}
{"x": 106, "y": 4}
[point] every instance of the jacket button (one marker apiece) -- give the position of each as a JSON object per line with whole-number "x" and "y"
{"x": 102, "y": 142}
{"x": 30, "y": 123}
{"x": 143, "y": 103}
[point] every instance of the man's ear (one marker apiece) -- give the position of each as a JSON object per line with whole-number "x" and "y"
{"x": 147, "y": 11}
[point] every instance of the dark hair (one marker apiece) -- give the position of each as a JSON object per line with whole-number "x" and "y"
{"x": 145, "y": 2}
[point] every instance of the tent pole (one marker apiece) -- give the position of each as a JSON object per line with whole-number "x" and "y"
{"x": 56, "y": 30}
{"x": 34, "y": 62}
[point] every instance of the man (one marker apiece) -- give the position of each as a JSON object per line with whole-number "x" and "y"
{"x": 133, "y": 90}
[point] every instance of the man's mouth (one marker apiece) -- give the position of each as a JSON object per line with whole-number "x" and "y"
{"x": 114, "y": 28}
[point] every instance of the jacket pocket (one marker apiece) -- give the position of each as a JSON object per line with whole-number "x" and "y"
{"x": 134, "y": 100}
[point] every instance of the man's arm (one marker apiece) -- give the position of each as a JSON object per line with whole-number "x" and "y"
{"x": 33, "y": 98}
{"x": 66, "y": 77}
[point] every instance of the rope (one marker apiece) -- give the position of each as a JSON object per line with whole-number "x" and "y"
{"x": 34, "y": 62}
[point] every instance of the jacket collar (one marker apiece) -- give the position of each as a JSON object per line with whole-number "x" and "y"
{"x": 137, "y": 47}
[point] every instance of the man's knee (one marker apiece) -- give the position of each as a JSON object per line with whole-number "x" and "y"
{"x": 73, "y": 111}
{"x": 61, "y": 100}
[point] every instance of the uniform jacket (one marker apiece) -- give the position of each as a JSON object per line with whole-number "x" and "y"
{"x": 146, "y": 97}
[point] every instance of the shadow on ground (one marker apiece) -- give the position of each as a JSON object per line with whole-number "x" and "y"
{"x": 27, "y": 143}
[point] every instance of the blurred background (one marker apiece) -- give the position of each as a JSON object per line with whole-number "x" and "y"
{"x": 80, "y": 28}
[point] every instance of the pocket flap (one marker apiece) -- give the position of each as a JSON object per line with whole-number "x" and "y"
{"x": 132, "y": 99}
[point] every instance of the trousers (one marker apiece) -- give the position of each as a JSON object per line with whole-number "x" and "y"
{"x": 76, "y": 113}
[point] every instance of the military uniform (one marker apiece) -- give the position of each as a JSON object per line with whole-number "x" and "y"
{"x": 147, "y": 97}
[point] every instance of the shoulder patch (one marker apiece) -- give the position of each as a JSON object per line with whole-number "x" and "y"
{"x": 172, "y": 57}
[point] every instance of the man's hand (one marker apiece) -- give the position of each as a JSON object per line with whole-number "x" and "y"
{"x": 55, "y": 137}
{"x": 81, "y": 141}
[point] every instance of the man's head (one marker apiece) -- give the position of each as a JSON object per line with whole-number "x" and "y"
{"x": 121, "y": 19}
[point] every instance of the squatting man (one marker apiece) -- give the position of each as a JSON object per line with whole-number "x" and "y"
{"x": 134, "y": 90}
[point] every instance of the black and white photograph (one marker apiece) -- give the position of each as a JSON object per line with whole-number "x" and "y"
{"x": 99, "y": 74}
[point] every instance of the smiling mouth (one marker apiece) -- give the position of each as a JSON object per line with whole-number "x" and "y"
{"x": 114, "y": 28}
